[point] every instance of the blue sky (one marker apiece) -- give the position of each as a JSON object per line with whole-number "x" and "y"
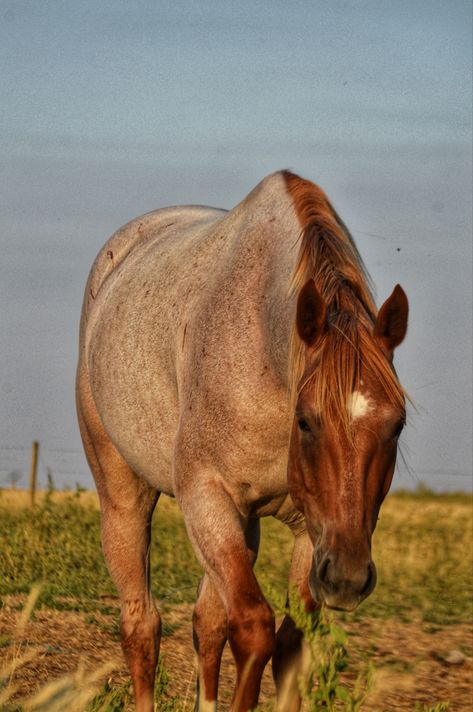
{"x": 110, "y": 109}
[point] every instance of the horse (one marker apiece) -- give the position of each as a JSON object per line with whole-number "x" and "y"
{"x": 235, "y": 360}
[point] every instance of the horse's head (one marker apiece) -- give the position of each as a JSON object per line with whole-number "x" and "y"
{"x": 348, "y": 416}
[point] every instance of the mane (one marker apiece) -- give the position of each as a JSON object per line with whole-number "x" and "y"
{"x": 329, "y": 255}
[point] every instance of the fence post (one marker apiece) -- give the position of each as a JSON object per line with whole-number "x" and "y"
{"x": 34, "y": 470}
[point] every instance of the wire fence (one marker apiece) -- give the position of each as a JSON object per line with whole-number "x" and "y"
{"x": 58, "y": 465}
{"x": 67, "y": 466}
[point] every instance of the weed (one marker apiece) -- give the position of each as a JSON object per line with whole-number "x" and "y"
{"x": 330, "y": 659}
{"x": 111, "y": 699}
{"x": 164, "y": 700}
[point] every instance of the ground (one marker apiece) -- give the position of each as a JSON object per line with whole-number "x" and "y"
{"x": 411, "y": 659}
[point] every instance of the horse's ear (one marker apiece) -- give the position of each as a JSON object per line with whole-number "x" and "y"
{"x": 311, "y": 314}
{"x": 391, "y": 324}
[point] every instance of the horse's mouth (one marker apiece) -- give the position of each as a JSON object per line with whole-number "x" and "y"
{"x": 345, "y": 597}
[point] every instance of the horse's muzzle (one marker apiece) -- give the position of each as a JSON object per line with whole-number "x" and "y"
{"x": 340, "y": 585}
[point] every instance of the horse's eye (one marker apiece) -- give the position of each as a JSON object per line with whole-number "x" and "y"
{"x": 303, "y": 425}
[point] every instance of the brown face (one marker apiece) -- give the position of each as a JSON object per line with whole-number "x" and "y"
{"x": 339, "y": 485}
{"x": 339, "y": 482}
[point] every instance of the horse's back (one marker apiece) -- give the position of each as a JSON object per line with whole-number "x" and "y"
{"x": 153, "y": 227}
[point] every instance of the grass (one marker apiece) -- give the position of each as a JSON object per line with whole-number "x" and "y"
{"x": 58, "y": 544}
{"x": 423, "y": 551}
{"x": 115, "y": 699}
{"x": 422, "y": 547}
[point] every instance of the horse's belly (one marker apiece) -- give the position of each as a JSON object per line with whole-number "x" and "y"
{"x": 141, "y": 426}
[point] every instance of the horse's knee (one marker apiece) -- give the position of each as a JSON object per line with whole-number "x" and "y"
{"x": 209, "y": 629}
{"x": 140, "y": 627}
{"x": 137, "y": 614}
{"x": 251, "y": 634}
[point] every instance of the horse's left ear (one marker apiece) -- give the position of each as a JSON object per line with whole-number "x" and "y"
{"x": 391, "y": 324}
{"x": 311, "y": 314}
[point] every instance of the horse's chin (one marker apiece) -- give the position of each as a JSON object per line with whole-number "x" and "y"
{"x": 333, "y": 602}
{"x": 346, "y": 606}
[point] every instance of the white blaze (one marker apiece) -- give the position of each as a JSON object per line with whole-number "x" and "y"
{"x": 359, "y": 405}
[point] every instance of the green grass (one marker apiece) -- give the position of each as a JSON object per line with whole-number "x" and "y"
{"x": 58, "y": 544}
{"x": 422, "y": 548}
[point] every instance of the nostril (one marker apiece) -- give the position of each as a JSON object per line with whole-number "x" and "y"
{"x": 323, "y": 571}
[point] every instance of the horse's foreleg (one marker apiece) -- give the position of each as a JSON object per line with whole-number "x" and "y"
{"x": 210, "y": 629}
{"x": 291, "y": 660}
{"x": 217, "y": 532}
{"x": 127, "y": 504}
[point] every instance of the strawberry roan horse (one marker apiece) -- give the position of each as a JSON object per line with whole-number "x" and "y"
{"x": 236, "y": 361}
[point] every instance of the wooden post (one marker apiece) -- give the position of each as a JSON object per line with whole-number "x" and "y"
{"x": 34, "y": 470}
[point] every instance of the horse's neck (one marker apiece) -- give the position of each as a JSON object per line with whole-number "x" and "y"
{"x": 265, "y": 260}
{"x": 280, "y": 313}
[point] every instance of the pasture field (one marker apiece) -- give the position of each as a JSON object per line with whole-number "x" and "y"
{"x": 413, "y": 638}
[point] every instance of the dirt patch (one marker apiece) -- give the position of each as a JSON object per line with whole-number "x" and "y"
{"x": 413, "y": 663}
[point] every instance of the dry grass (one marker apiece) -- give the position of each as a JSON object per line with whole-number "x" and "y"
{"x": 20, "y": 499}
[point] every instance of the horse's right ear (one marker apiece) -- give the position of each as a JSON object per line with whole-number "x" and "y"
{"x": 311, "y": 314}
{"x": 391, "y": 323}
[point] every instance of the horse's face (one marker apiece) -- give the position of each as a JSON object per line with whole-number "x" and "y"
{"x": 338, "y": 480}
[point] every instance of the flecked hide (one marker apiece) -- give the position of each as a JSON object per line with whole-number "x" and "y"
{"x": 185, "y": 335}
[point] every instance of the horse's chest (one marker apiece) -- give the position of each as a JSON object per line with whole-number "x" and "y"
{"x": 255, "y": 471}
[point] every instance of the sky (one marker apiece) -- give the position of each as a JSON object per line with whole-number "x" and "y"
{"x": 111, "y": 109}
